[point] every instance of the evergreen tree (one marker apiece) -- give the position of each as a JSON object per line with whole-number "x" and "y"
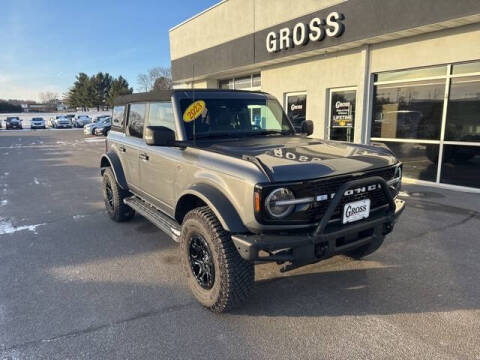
{"x": 119, "y": 87}
{"x": 96, "y": 91}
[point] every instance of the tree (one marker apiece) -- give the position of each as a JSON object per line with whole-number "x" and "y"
{"x": 96, "y": 91}
{"x": 48, "y": 97}
{"x": 157, "y": 78}
{"x": 144, "y": 82}
{"x": 8, "y": 107}
{"x": 101, "y": 84}
{"x": 119, "y": 87}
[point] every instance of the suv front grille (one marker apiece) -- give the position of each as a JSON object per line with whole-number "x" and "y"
{"x": 329, "y": 186}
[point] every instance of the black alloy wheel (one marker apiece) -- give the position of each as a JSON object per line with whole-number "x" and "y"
{"x": 201, "y": 261}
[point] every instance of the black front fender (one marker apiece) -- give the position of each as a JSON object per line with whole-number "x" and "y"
{"x": 111, "y": 159}
{"x": 220, "y": 205}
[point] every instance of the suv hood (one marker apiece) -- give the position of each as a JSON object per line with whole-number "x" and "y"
{"x": 300, "y": 158}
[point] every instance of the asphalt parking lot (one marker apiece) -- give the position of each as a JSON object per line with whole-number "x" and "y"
{"x": 75, "y": 285}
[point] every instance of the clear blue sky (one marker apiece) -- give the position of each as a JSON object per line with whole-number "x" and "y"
{"x": 45, "y": 43}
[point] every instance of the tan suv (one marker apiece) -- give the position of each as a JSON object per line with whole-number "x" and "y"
{"x": 224, "y": 174}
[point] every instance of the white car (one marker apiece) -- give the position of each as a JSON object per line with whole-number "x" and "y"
{"x": 37, "y": 123}
{"x": 60, "y": 121}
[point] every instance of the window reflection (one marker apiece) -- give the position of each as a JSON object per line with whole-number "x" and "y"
{"x": 463, "y": 115}
{"x": 409, "y": 110}
{"x": 420, "y": 161}
{"x": 466, "y": 68}
{"x": 461, "y": 165}
{"x": 412, "y": 74}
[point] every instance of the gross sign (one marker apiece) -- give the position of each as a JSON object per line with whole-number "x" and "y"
{"x": 194, "y": 111}
{"x": 301, "y": 34}
{"x": 342, "y": 115}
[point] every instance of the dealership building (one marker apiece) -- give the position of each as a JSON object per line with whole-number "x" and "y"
{"x": 402, "y": 72}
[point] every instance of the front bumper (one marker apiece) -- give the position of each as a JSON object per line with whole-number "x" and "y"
{"x": 328, "y": 239}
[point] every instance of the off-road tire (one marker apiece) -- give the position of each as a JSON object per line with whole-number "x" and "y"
{"x": 118, "y": 211}
{"x": 366, "y": 249}
{"x": 234, "y": 277}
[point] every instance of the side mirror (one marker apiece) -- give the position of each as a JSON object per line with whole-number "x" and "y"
{"x": 159, "y": 136}
{"x": 307, "y": 127}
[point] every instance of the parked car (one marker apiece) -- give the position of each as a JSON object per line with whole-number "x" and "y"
{"x": 103, "y": 128}
{"x": 37, "y": 123}
{"x": 234, "y": 193}
{"x": 89, "y": 129}
{"x": 70, "y": 116}
{"x": 13, "y": 122}
{"x": 60, "y": 121}
{"x": 79, "y": 121}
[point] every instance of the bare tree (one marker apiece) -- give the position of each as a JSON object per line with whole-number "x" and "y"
{"x": 48, "y": 97}
{"x": 144, "y": 83}
{"x": 157, "y": 78}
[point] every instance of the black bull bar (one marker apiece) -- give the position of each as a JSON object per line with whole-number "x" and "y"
{"x": 326, "y": 240}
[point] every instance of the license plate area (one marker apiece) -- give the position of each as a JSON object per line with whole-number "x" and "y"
{"x": 356, "y": 210}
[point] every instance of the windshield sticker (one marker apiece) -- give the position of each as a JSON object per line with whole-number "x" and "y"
{"x": 194, "y": 111}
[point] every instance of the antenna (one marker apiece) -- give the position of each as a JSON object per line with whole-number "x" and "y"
{"x": 193, "y": 100}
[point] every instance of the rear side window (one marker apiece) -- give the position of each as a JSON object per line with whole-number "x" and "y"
{"x": 117, "y": 116}
{"x": 136, "y": 120}
{"x": 161, "y": 114}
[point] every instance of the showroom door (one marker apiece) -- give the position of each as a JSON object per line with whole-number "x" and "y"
{"x": 342, "y": 114}
{"x": 296, "y": 106}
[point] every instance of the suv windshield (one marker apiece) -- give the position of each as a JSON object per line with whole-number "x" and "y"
{"x": 236, "y": 118}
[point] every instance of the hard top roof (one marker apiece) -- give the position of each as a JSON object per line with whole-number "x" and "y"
{"x": 166, "y": 95}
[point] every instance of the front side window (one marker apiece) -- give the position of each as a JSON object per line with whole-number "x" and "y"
{"x": 161, "y": 114}
{"x": 136, "y": 120}
{"x": 236, "y": 118}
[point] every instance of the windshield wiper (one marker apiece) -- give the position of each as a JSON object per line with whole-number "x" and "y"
{"x": 224, "y": 134}
{"x": 269, "y": 132}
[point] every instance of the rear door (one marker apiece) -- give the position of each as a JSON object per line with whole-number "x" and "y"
{"x": 158, "y": 164}
{"x": 133, "y": 144}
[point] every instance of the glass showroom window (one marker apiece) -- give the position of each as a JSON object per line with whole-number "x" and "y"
{"x": 296, "y": 106}
{"x": 431, "y": 122}
{"x": 249, "y": 82}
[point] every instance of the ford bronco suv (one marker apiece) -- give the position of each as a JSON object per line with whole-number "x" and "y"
{"x": 224, "y": 174}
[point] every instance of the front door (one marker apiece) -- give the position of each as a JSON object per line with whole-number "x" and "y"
{"x": 158, "y": 165}
{"x": 134, "y": 143}
{"x": 342, "y": 114}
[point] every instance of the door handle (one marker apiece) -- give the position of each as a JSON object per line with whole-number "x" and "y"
{"x": 144, "y": 156}
{"x": 122, "y": 148}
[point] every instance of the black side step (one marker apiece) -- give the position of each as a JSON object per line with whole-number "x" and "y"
{"x": 158, "y": 218}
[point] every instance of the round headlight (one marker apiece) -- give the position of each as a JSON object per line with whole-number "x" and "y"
{"x": 275, "y": 203}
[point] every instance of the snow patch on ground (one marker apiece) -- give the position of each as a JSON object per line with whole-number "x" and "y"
{"x": 61, "y": 142}
{"x": 6, "y": 173}
{"x": 35, "y": 180}
{"x": 6, "y": 227}
{"x": 94, "y": 139}
{"x": 78, "y": 217}
{"x": 3, "y": 202}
